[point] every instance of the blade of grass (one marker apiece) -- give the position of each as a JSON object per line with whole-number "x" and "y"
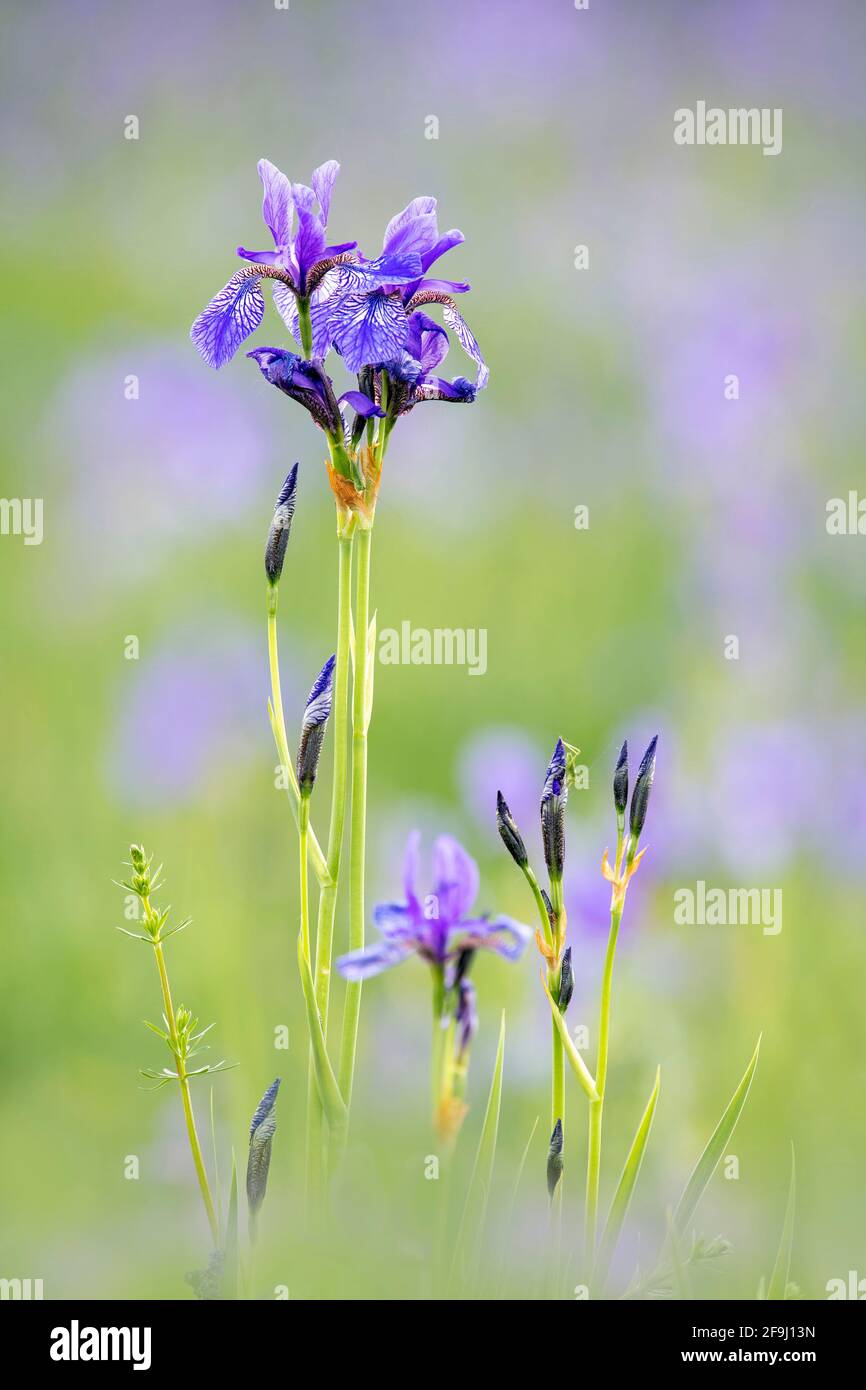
{"x": 712, "y": 1154}
{"x": 513, "y": 1203}
{"x": 216, "y": 1171}
{"x": 778, "y": 1285}
{"x": 231, "y": 1264}
{"x": 485, "y": 1156}
{"x": 625, "y": 1187}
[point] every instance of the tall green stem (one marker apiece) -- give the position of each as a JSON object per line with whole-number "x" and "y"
{"x": 358, "y": 815}
{"x": 328, "y": 893}
{"x": 596, "y": 1107}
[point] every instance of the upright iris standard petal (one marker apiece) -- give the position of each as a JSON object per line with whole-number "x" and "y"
{"x": 323, "y": 181}
{"x": 278, "y": 535}
{"x": 455, "y": 879}
{"x": 231, "y": 316}
{"x": 316, "y": 717}
{"x": 413, "y": 229}
{"x": 277, "y": 202}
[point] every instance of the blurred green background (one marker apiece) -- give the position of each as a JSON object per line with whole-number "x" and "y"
{"x": 707, "y": 520}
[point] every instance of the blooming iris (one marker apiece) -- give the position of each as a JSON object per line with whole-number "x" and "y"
{"x": 438, "y": 928}
{"x": 297, "y": 218}
{"x": 372, "y": 325}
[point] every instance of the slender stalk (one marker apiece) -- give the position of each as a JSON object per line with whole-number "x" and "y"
{"x": 358, "y": 813}
{"x": 437, "y": 1050}
{"x": 320, "y": 867}
{"x": 304, "y": 873}
{"x": 183, "y": 1082}
{"x": 305, "y": 327}
{"x": 328, "y": 893}
{"x": 596, "y": 1107}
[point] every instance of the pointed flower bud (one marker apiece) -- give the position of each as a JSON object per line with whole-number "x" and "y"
{"x": 465, "y": 1017}
{"x": 316, "y": 717}
{"x": 554, "y": 1159}
{"x": 278, "y": 536}
{"x": 566, "y": 981}
{"x": 641, "y": 793}
{"x": 553, "y": 798}
{"x": 262, "y": 1129}
{"x": 511, "y": 837}
{"x": 620, "y": 782}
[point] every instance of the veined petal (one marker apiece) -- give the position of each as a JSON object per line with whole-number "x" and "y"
{"x": 465, "y": 337}
{"x": 413, "y": 229}
{"x": 310, "y": 242}
{"x": 277, "y": 202}
{"x": 386, "y": 269}
{"x": 277, "y": 257}
{"x": 368, "y": 328}
{"x": 323, "y": 181}
{"x": 455, "y": 879}
{"x": 371, "y": 960}
{"x": 231, "y": 316}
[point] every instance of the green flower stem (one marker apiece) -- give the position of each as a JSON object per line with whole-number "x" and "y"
{"x": 278, "y": 724}
{"x": 358, "y": 813}
{"x": 183, "y": 1082}
{"x": 304, "y": 873}
{"x": 557, "y": 1090}
{"x": 437, "y": 1050}
{"x": 328, "y": 893}
{"x": 596, "y": 1107}
{"x": 305, "y": 326}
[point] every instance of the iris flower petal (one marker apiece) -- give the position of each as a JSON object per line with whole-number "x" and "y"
{"x": 323, "y": 181}
{"x": 371, "y": 960}
{"x": 277, "y": 202}
{"x": 455, "y": 879}
{"x": 231, "y": 316}
{"x": 368, "y": 328}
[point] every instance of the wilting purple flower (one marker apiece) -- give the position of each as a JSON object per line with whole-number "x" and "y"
{"x": 316, "y": 716}
{"x": 281, "y": 526}
{"x": 371, "y": 326}
{"x": 437, "y": 928}
{"x": 300, "y": 261}
{"x": 554, "y": 796}
{"x": 308, "y": 384}
{"x": 412, "y": 375}
{"x": 465, "y": 1017}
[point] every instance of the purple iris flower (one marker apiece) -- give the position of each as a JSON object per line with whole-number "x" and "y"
{"x": 437, "y": 928}
{"x": 300, "y": 261}
{"x": 370, "y": 326}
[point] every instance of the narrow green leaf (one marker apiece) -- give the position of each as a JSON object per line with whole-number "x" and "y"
{"x": 512, "y": 1205}
{"x": 216, "y": 1168}
{"x": 329, "y": 1092}
{"x": 231, "y": 1263}
{"x": 576, "y": 1062}
{"x": 778, "y": 1285}
{"x": 625, "y": 1187}
{"x": 711, "y": 1156}
{"x": 478, "y": 1191}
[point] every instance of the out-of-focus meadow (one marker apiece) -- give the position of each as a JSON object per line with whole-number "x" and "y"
{"x": 707, "y": 520}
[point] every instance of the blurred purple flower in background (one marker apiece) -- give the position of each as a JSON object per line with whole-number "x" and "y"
{"x": 437, "y": 928}
{"x": 190, "y": 715}
{"x": 501, "y": 757}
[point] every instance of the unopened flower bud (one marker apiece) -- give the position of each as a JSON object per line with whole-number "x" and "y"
{"x": 641, "y": 793}
{"x": 262, "y": 1129}
{"x": 465, "y": 1017}
{"x": 278, "y": 535}
{"x": 553, "y": 798}
{"x": 566, "y": 981}
{"x": 511, "y": 837}
{"x": 316, "y": 717}
{"x": 554, "y": 1159}
{"x": 620, "y": 782}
